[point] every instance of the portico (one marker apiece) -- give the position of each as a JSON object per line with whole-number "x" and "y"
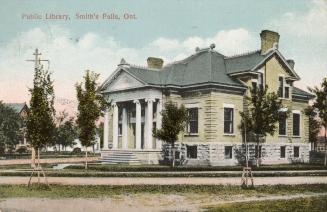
{"x": 132, "y": 124}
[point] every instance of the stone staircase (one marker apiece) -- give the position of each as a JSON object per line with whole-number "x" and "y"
{"x": 119, "y": 157}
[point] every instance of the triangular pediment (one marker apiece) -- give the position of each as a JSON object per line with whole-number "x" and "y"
{"x": 122, "y": 81}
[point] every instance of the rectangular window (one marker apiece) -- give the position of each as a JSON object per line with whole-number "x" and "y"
{"x": 228, "y": 152}
{"x": 296, "y": 151}
{"x": 282, "y": 151}
{"x": 280, "y": 87}
{"x": 282, "y": 123}
{"x": 260, "y": 82}
{"x": 254, "y": 86}
{"x": 228, "y": 120}
{"x": 287, "y": 92}
{"x": 177, "y": 155}
{"x": 192, "y": 151}
{"x": 193, "y": 120}
{"x": 296, "y": 124}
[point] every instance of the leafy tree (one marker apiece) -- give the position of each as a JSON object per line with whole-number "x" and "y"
{"x": 314, "y": 124}
{"x": 261, "y": 116}
{"x": 10, "y": 124}
{"x": 40, "y": 116}
{"x": 66, "y": 131}
{"x": 90, "y": 107}
{"x": 320, "y": 104}
{"x": 174, "y": 120}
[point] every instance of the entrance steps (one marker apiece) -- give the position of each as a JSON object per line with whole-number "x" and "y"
{"x": 119, "y": 157}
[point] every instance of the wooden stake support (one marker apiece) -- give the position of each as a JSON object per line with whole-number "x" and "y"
{"x": 247, "y": 173}
{"x": 38, "y": 169}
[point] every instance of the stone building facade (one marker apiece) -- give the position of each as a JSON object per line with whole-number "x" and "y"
{"x": 213, "y": 88}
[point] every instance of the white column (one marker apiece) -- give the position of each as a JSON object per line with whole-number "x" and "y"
{"x": 159, "y": 122}
{"x": 106, "y": 130}
{"x": 149, "y": 119}
{"x": 124, "y": 130}
{"x": 115, "y": 126}
{"x": 138, "y": 124}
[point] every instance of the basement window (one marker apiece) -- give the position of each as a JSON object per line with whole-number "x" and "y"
{"x": 282, "y": 151}
{"x": 296, "y": 151}
{"x": 228, "y": 152}
{"x": 192, "y": 152}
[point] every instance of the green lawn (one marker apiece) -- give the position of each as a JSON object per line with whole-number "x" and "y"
{"x": 311, "y": 204}
{"x": 70, "y": 191}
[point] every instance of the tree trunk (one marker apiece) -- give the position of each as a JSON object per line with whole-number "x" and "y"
{"x": 325, "y": 162}
{"x": 173, "y": 154}
{"x": 38, "y": 165}
{"x": 258, "y": 150}
{"x": 33, "y": 158}
{"x": 85, "y": 158}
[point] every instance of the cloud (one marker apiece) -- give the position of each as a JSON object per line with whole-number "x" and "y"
{"x": 304, "y": 39}
{"x": 70, "y": 56}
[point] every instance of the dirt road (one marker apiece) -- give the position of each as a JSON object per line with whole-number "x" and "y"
{"x": 167, "y": 181}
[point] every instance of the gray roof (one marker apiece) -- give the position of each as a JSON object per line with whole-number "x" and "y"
{"x": 16, "y": 106}
{"x": 203, "y": 67}
{"x": 300, "y": 92}
{"x": 244, "y": 62}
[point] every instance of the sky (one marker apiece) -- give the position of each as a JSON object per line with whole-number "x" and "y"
{"x": 169, "y": 29}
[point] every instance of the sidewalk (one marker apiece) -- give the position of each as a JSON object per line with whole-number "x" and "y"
{"x": 48, "y": 160}
{"x": 167, "y": 181}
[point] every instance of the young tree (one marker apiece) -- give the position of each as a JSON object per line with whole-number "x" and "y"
{"x": 320, "y": 104}
{"x": 40, "y": 116}
{"x": 261, "y": 116}
{"x": 314, "y": 124}
{"x": 90, "y": 107}
{"x": 66, "y": 131}
{"x": 10, "y": 124}
{"x": 174, "y": 120}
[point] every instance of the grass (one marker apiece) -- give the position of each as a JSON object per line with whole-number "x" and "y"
{"x": 312, "y": 204}
{"x": 92, "y": 191}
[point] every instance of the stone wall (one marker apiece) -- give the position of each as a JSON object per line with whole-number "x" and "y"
{"x": 213, "y": 153}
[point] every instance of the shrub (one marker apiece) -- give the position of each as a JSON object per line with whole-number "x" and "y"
{"x": 22, "y": 149}
{"x": 76, "y": 150}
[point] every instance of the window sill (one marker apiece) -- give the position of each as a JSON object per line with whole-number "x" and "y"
{"x": 191, "y": 158}
{"x": 296, "y": 136}
{"x": 191, "y": 135}
{"x": 226, "y": 134}
{"x": 283, "y": 136}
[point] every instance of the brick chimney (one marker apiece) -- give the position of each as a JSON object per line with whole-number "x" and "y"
{"x": 291, "y": 63}
{"x": 269, "y": 39}
{"x": 154, "y": 62}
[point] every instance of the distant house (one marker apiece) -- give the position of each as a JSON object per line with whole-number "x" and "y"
{"x": 212, "y": 87}
{"x": 21, "y": 109}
